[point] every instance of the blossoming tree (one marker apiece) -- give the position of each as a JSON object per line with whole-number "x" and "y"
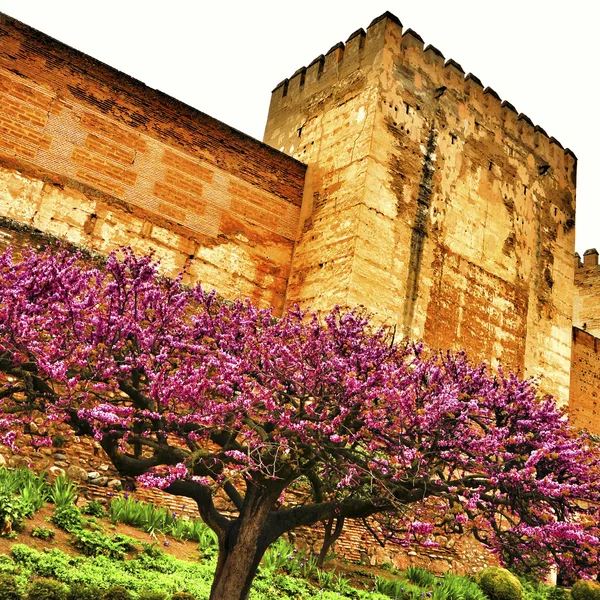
{"x": 200, "y": 397}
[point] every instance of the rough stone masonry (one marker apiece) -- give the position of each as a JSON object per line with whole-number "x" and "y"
{"x": 388, "y": 179}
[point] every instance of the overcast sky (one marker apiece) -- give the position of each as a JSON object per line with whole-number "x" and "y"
{"x": 225, "y": 57}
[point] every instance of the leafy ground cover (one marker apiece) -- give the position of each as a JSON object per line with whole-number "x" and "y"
{"x": 95, "y": 551}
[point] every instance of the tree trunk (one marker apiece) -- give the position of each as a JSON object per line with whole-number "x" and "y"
{"x": 241, "y": 549}
{"x": 330, "y": 538}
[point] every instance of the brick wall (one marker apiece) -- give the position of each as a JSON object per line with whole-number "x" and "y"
{"x": 586, "y": 305}
{"x": 92, "y": 155}
{"x": 584, "y": 403}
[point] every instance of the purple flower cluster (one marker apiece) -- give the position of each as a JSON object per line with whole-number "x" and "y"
{"x": 192, "y": 394}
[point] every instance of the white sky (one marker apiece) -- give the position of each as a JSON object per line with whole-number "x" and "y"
{"x": 224, "y": 57}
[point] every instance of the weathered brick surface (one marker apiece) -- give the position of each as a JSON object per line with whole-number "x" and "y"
{"x": 79, "y": 138}
{"x": 433, "y": 204}
{"x": 586, "y": 305}
{"x": 584, "y": 403}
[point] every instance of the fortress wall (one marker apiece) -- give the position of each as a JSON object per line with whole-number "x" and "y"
{"x": 436, "y": 204}
{"x": 325, "y": 115}
{"x": 96, "y": 157}
{"x": 584, "y": 403}
{"x": 586, "y": 304}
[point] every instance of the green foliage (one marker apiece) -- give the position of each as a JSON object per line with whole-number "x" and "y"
{"x": 453, "y": 587}
{"x": 151, "y": 519}
{"x": 9, "y": 590}
{"x": 152, "y": 595}
{"x": 208, "y": 542}
{"x": 58, "y": 441}
{"x": 141, "y": 514}
{"x": 63, "y": 492}
{"x": 94, "y": 509}
{"x": 51, "y": 563}
{"x": 44, "y": 533}
{"x": 585, "y": 590}
{"x": 500, "y": 584}
{"x": 33, "y": 497}
{"x": 12, "y": 513}
{"x": 13, "y": 481}
{"x": 151, "y": 549}
{"x": 558, "y": 593}
{"x": 46, "y": 589}
{"x": 117, "y": 592}
{"x": 282, "y": 556}
{"x": 67, "y": 517}
{"x": 80, "y": 591}
{"x": 330, "y": 580}
{"x": 94, "y": 543}
{"x": 396, "y": 588}
{"x": 23, "y": 493}
{"x": 420, "y": 576}
{"x": 182, "y": 596}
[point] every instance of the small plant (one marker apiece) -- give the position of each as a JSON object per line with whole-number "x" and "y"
{"x": 325, "y": 579}
{"x": 93, "y": 543}
{"x": 58, "y": 441}
{"x": 63, "y": 492}
{"x": 200, "y": 532}
{"x": 454, "y": 587}
{"x": 46, "y": 589}
{"x": 156, "y": 519}
{"x": 33, "y": 496}
{"x": 117, "y": 592}
{"x": 397, "y": 589}
{"x": 9, "y": 590}
{"x": 152, "y": 550}
{"x": 93, "y": 508}
{"x": 44, "y": 533}
{"x": 500, "y": 584}
{"x": 278, "y": 555}
{"x": 585, "y": 590}
{"x": 67, "y": 517}
{"x": 420, "y": 576}
{"x": 12, "y": 513}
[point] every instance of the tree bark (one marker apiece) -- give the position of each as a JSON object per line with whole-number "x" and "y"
{"x": 330, "y": 537}
{"x": 242, "y": 547}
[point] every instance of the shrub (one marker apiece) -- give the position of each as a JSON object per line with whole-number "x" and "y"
{"x": 117, "y": 592}
{"x": 9, "y": 590}
{"x": 94, "y": 543}
{"x": 152, "y": 595}
{"x": 47, "y": 589}
{"x": 44, "y": 533}
{"x": 80, "y": 591}
{"x": 500, "y": 584}
{"x": 585, "y": 590}
{"x": 93, "y": 509}
{"x": 558, "y": 593}
{"x": 12, "y": 513}
{"x": 67, "y": 517}
{"x": 182, "y": 596}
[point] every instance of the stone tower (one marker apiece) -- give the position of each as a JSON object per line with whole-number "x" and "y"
{"x": 431, "y": 202}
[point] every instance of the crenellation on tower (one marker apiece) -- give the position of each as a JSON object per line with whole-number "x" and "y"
{"x": 429, "y": 194}
{"x": 585, "y": 391}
